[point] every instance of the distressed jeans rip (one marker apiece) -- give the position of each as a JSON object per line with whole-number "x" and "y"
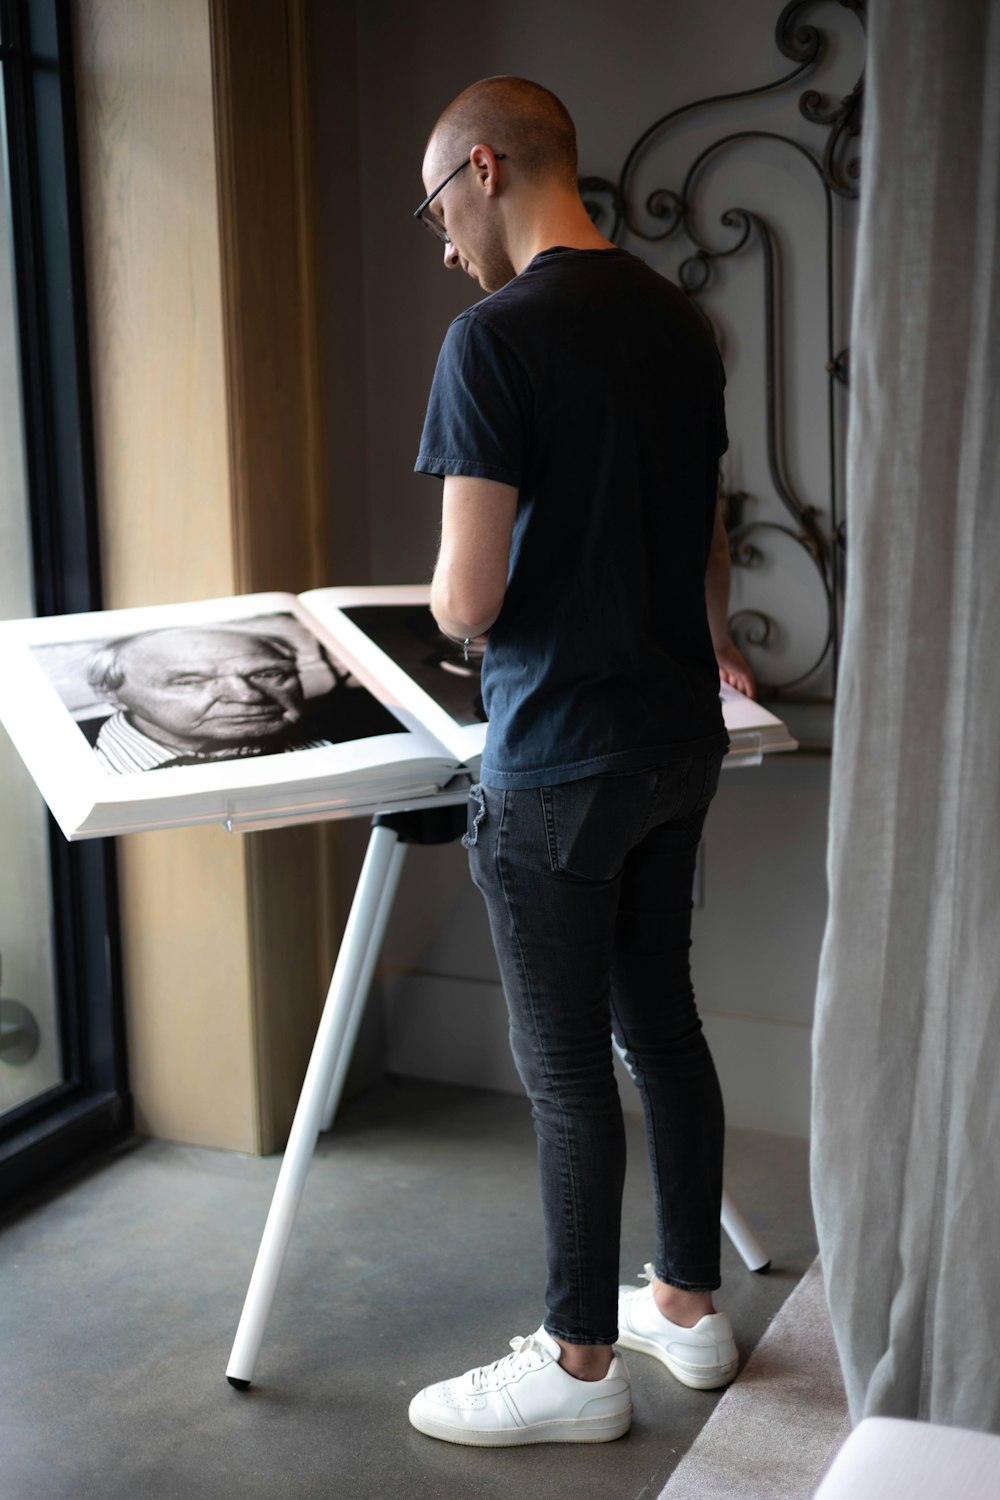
{"x": 476, "y": 791}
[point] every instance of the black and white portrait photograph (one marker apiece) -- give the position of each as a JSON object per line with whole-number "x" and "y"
{"x": 136, "y": 718}
{"x": 214, "y": 691}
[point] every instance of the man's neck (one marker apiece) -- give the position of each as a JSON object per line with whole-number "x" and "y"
{"x": 565, "y": 223}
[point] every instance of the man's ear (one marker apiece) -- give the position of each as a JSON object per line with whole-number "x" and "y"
{"x": 484, "y": 164}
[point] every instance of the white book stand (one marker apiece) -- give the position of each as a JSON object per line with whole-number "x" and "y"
{"x": 435, "y": 822}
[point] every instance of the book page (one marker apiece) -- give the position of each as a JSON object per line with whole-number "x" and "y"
{"x": 260, "y": 705}
{"x": 750, "y": 724}
{"x": 389, "y": 637}
{"x": 142, "y": 717}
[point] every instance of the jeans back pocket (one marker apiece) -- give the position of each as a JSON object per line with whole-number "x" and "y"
{"x": 591, "y": 824}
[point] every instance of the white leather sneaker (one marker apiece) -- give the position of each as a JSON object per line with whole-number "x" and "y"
{"x": 703, "y": 1357}
{"x": 526, "y": 1397}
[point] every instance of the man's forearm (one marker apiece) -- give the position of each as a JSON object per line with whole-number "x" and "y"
{"x": 717, "y": 582}
{"x": 451, "y": 623}
{"x": 461, "y": 606}
{"x": 470, "y": 576}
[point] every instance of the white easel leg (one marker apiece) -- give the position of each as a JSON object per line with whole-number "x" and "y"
{"x": 327, "y": 1049}
{"x": 364, "y": 984}
{"x": 745, "y": 1242}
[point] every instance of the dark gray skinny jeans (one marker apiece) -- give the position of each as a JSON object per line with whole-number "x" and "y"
{"x": 588, "y": 888}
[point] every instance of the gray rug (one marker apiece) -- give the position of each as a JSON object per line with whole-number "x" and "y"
{"x": 777, "y": 1428}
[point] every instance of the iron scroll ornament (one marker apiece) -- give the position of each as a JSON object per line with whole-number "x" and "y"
{"x": 666, "y": 212}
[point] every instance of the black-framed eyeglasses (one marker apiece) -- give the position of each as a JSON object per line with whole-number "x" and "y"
{"x": 429, "y": 221}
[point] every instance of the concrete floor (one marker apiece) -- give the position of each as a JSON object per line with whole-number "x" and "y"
{"x": 417, "y": 1253}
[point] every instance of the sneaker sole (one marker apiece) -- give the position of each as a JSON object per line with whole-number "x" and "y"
{"x": 698, "y": 1377}
{"x": 573, "y": 1430}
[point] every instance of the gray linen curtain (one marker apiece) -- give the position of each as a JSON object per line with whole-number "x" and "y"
{"x": 906, "y": 1103}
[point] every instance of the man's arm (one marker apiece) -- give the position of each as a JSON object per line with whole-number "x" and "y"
{"x": 732, "y": 666}
{"x": 470, "y": 578}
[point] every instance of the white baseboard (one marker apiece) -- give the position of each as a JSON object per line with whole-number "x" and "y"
{"x": 455, "y": 1031}
{"x": 448, "y": 1030}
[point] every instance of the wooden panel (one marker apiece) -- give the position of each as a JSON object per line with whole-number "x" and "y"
{"x": 293, "y": 943}
{"x": 265, "y": 214}
{"x": 331, "y": 52}
{"x": 278, "y": 464}
{"x": 144, "y": 81}
{"x": 197, "y": 188}
{"x": 187, "y": 984}
{"x": 150, "y": 215}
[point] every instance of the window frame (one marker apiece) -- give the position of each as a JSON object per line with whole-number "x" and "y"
{"x": 92, "y": 1107}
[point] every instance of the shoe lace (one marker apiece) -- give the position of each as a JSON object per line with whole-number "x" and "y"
{"x": 647, "y": 1273}
{"x": 527, "y": 1352}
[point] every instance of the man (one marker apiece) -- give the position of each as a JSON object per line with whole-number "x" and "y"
{"x": 189, "y": 695}
{"x": 576, "y": 418}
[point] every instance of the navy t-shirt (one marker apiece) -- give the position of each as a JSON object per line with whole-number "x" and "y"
{"x": 592, "y": 385}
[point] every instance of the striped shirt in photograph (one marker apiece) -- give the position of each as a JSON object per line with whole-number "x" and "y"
{"x": 123, "y": 749}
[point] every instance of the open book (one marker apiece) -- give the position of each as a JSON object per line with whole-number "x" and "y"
{"x": 257, "y": 711}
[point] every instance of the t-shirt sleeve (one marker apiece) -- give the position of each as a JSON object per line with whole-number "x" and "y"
{"x": 479, "y": 412}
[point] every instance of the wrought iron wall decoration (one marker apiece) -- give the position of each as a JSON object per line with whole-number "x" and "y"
{"x": 818, "y": 530}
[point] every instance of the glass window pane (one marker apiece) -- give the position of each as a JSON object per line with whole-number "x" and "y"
{"x": 28, "y": 1002}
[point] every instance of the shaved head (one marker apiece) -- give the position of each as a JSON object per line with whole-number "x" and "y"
{"x": 523, "y": 120}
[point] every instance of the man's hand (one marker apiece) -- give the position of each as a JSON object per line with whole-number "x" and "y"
{"x": 733, "y": 668}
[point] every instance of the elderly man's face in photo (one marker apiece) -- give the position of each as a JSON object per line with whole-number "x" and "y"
{"x": 201, "y": 689}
